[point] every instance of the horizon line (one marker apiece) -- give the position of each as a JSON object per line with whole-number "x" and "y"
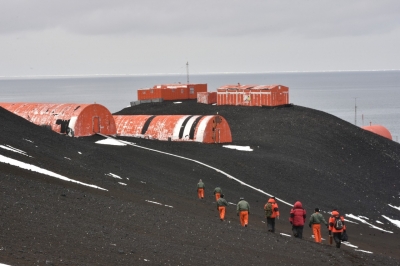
{"x": 194, "y": 74}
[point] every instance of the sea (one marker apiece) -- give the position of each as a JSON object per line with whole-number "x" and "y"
{"x": 359, "y": 97}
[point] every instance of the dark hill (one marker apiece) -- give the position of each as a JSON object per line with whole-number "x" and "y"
{"x": 299, "y": 154}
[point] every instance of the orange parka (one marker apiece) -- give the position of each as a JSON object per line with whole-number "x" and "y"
{"x": 332, "y": 222}
{"x": 275, "y": 209}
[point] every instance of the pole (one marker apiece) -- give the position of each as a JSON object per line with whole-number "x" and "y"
{"x": 187, "y": 72}
{"x": 355, "y": 111}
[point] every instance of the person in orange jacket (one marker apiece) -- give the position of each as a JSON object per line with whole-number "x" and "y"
{"x": 271, "y": 212}
{"x": 336, "y": 227}
{"x": 200, "y": 189}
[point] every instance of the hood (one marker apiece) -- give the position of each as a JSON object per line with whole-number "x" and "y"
{"x": 271, "y": 200}
{"x": 335, "y": 213}
{"x": 298, "y": 205}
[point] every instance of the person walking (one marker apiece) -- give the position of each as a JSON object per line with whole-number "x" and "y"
{"x": 297, "y": 219}
{"x": 271, "y": 212}
{"x": 243, "y": 211}
{"x": 200, "y": 189}
{"x": 217, "y": 193}
{"x": 221, "y": 207}
{"x": 336, "y": 227}
{"x": 315, "y": 223}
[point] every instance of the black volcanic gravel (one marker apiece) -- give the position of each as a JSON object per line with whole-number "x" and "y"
{"x": 299, "y": 154}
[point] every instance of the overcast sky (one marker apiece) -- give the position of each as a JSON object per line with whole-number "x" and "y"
{"x": 86, "y": 37}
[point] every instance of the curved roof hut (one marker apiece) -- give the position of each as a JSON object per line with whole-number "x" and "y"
{"x": 76, "y": 120}
{"x": 380, "y": 130}
{"x": 199, "y": 128}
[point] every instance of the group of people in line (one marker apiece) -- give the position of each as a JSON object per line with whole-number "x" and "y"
{"x": 297, "y": 217}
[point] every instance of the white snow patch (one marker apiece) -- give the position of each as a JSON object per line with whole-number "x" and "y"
{"x": 232, "y": 203}
{"x": 79, "y": 152}
{"x": 28, "y": 141}
{"x": 240, "y": 148}
{"x": 379, "y": 222}
{"x": 67, "y": 158}
{"x": 398, "y": 208}
{"x": 395, "y": 222}
{"x": 10, "y": 148}
{"x": 286, "y": 235}
{"x": 365, "y": 222}
{"x": 363, "y": 217}
{"x": 115, "y": 176}
{"x": 177, "y": 102}
{"x": 34, "y": 168}
{"x": 1, "y": 264}
{"x": 110, "y": 141}
{"x": 370, "y": 252}
{"x": 169, "y": 206}
{"x": 143, "y": 182}
{"x": 122, "y": 183}
{"x": 348, "y": 244}
{"x": 347, "y": 220}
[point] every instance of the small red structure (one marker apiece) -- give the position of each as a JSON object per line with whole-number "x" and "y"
{"x": 171, "y": 92}
{"x": 380, "y": 130}
{"x": 207, "y": 97}
{"x": 76, "y": 120}
{"x": 206, "y": 129}
{"x": 253, "y": 95}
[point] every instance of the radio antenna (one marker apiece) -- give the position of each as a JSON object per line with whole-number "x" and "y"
{"x": 187, "y": 72}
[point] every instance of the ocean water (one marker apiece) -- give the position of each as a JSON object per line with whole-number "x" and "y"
{"x": 361, "y": 98}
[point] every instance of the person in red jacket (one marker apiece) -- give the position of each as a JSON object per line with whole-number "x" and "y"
{"x": 297, "y": 219}
{"x": 336, "y": 227}
{"x": 271, "y": 212}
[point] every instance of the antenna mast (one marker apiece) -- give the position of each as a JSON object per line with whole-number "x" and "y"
{"x": 187, "y": 72}
{"x": 355, "y": 111}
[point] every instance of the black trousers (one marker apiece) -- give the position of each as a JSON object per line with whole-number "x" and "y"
{"x": 298, "y": 231}
{"x": 271, "y": 224}
{"x": 338, "y": 239}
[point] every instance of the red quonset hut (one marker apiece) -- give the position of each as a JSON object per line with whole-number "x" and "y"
{"x": 253, "y": 95}
{"x": 205, "y": 129}
{"x": 380, "y": 130}
{"x": 171, "y": 92}
{"x": 73, "y": 119}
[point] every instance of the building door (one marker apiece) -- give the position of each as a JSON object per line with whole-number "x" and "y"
{"x": 96, "y": 124}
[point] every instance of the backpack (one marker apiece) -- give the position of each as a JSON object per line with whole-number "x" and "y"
{"x": 268, "y": 209}
{"x": 338, "y": 223}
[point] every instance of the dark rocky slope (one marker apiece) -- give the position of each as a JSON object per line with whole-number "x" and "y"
{"x": 299, "y": 154}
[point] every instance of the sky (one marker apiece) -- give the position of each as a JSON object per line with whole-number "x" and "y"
{"x": 132, "y": 37}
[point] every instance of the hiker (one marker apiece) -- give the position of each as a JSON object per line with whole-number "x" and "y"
{"x": 315, "y": 223}
{"x": 336, "y": 227}
{"x": 200, "y": 189}
{"x": 271, "y": 212}
{"x": 217, "y": 193}
{"x": 297, "y": 219}
{"x": 243, "y": 211}
{"x": 221, "y": 206}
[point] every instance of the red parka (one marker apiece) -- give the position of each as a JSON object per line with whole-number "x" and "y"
{"x": 297, "y": 214}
